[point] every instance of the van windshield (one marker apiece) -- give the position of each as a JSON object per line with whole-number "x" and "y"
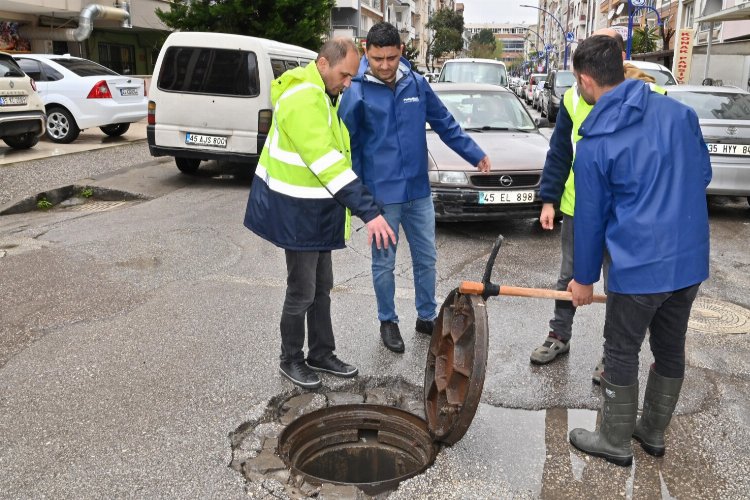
{"x": 209, "y": 71}
{"x": 474, "y": 72}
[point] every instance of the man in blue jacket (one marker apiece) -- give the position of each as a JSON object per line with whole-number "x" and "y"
{"x": 386, "y": 110}
{"x": 641, "y": 171}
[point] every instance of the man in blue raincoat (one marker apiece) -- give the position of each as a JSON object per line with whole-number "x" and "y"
{"x": 641, "y": 171}
{"x": 386, "y": 109}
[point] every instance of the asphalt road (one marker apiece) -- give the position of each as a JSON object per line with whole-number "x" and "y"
{"x": 134, "y": 340}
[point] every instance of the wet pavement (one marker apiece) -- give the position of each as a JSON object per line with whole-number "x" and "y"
{"x": 135, "y": 340}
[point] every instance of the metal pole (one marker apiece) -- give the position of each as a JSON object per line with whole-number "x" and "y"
{"x": 708, "y": 49}
{"x": 630, "y": 30}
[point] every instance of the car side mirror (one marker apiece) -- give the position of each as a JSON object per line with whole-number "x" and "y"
{"x": 541, "y": 122}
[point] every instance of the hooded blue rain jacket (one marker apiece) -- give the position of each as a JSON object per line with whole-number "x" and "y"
{"x": 388, "y": 136}
{"x": 641, "y": 171}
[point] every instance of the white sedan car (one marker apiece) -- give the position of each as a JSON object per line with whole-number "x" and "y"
{"x": 80, "y": 94}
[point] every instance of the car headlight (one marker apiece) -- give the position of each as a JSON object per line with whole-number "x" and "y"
{"x": 448, "y": 177}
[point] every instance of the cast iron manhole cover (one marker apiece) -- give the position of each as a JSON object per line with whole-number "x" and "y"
{"x": 716, "y": 316}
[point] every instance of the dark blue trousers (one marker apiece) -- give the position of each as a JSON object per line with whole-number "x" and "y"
{"x": 628, "y": 317}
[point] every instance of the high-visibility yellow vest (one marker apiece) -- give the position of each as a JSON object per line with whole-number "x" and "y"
{"x": 300, "y": 158}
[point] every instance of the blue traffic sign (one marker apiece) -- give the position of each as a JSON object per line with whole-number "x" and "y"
{"x": 541, "y": 53}
{"x": 569, "y": 36}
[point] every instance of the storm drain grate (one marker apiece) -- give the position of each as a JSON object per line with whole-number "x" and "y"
{"x": 716, "y": 316}
{"x": 96, "y": 206}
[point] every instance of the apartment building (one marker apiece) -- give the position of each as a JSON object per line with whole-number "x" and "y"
{"x": 49, "y": 27}
{"x": 511, "y": 35}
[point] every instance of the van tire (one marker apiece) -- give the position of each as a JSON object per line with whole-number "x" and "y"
{"x": 116, "y": 129}
{"x": 187, "y": 165}
{"x": 23, "y": 141}
{"x": 61, "y": 126}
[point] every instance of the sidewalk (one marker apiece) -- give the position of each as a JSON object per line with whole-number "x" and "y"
{"x": 90, "y": 139}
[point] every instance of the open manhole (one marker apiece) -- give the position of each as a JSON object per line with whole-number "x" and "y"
{"x": 716, "y": 316}
{"x": 373, "y": 440}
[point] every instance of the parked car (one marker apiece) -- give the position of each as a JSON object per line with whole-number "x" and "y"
{"x": 497, "y": 120}
{"x": 537, "y": 95}
{"x": 80, "y": 94}
{"x": 724, "y": 116}
{"x": 534, "y": 78}
{"x": 474, "y": 70}
{"x": 661, "y": 74}
{"x": 210, "y": 98}
{"x": 22, "y": 119}
{"x": 557, "y": 82}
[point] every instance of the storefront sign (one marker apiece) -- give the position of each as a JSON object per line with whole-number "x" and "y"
{"x": 683, "y": 55}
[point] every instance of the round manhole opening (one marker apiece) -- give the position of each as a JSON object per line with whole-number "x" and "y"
{"x": 372, "y": 447}
{"x": 716, "y": 316}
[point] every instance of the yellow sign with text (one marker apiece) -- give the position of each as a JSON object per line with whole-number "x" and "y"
{"x": 683, "y": 55}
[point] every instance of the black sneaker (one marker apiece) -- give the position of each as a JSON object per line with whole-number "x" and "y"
{"x": 391, "y": 336}
{"x": 334, "y": 366}
{"x": 425, "y": 326}
{"x": 301, "y": 374}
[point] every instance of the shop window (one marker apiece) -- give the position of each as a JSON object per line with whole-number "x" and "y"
{"x": 117, "y": 57}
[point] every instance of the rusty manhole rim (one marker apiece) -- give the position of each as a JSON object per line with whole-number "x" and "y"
{"x": 399, "y": 433}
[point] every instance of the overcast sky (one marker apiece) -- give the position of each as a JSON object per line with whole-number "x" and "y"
{"x": 499, "y": 11}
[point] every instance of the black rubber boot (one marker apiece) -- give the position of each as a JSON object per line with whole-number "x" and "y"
{"x": 659, "y": 402}
{"x": 612, "y": 441}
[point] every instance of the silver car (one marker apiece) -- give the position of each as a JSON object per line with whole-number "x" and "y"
{"x": 724, "y": 115}
{"x": 497, "y": 120}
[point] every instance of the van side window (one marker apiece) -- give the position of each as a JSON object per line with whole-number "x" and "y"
{"x": 278, "y": 67}
{"x": 209, "y": 71}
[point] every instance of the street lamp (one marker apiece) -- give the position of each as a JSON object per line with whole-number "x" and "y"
{"x": 634, "y": 8}
{"x": 567, "y": 36}
{"x": 544, "y": 44}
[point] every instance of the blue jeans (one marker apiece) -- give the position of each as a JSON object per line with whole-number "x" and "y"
{"x": 417, "y": 217}
{"x": 664, "y": 315}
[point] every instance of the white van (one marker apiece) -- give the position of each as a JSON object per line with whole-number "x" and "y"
{"x": 210, "y": 96}
{"x": 474, "y": 70}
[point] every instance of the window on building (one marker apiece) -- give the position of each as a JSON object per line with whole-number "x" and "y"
{"x": 117, "y": 57}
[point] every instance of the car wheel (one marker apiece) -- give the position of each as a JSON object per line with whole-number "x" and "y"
{"x": 116, "y": 129}
{"x": 187, "y": 165}
{"x": 61, "y": 126}
{"x": 23, "y": 141}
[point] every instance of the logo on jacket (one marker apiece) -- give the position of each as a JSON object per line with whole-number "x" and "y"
{"x": 410, "y": 99}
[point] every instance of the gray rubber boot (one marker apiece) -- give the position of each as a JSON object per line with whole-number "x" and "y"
{"x": 612, "y": 441}
{"x": 659, "y": 402}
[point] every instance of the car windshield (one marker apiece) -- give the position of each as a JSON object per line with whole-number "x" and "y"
{"x": 9, "y": 68}
{"x": 487, "y": 109}
{"x": 474, "y": 72}
{"x": 84, "y": 67}
{"x": 564, "y": 79}
{"x": 716, "y": 105}
{"x": 662, "y": 77}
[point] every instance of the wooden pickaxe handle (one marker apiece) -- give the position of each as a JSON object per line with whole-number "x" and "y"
{"x": 475, "y": 288}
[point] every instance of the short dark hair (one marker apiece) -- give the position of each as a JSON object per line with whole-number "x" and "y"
{"x": 335, "y": 49}
{"x": 600, "y": 57}
{"x": 383, "y": 34}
